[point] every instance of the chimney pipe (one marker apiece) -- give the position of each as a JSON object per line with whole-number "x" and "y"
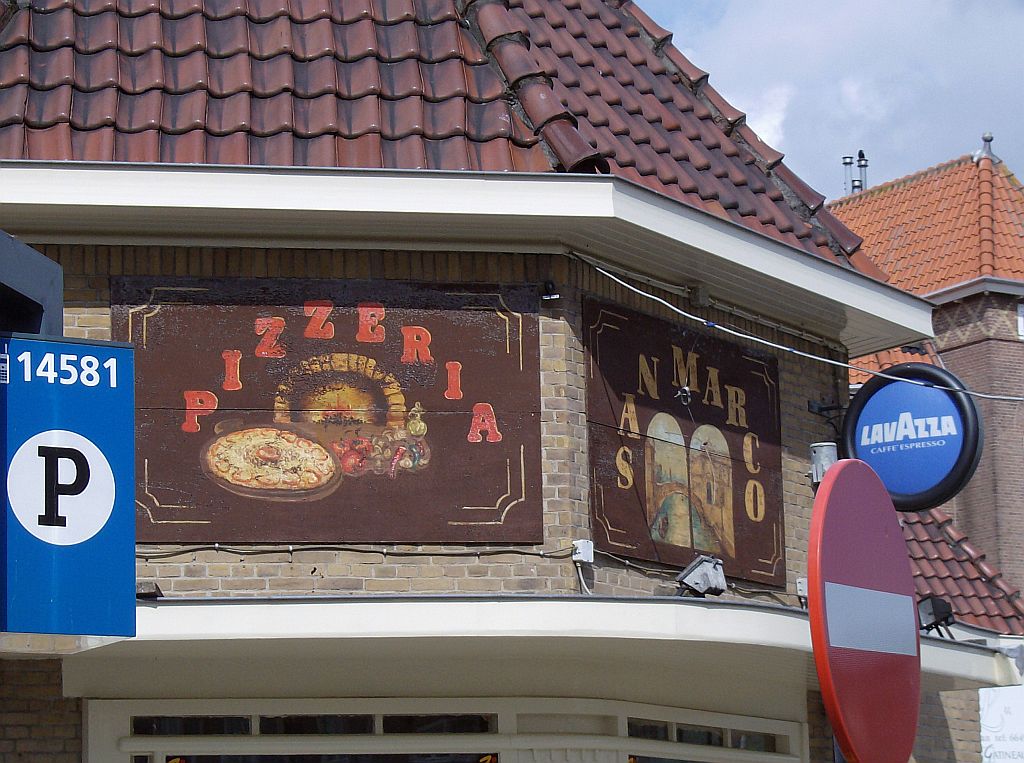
{"x": 847, "y": 174}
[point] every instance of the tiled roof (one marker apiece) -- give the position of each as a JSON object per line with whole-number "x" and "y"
{"x": 934, "y": 229}
{"x": 880, "y": 361}
{"x": 943, "y": 226}
{"x": 493, "y": 85}
{"x": 946, "y": 564}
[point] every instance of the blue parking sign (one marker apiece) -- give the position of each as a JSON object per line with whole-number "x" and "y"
{"x": 67, "y": 538}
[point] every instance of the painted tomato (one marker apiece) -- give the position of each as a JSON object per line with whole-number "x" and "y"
{"x": 351, "y": 462}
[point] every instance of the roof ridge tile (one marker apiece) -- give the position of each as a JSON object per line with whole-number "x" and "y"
{"x": 506, "y": 39}
{"x": 913, "y": 177}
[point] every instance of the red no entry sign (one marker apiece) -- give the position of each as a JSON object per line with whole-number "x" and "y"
{"x": 864, "y": 627}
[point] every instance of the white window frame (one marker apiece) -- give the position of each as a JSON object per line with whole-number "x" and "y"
{"x": 108, "y": 737}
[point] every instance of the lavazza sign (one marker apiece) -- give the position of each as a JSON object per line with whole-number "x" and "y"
{"x": 919, "y": 429}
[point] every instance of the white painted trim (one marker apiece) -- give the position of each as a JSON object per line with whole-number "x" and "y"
{"x": 292, "y": 622}
{"x": 600, "y": 215}
{"x": 981, "y": 285}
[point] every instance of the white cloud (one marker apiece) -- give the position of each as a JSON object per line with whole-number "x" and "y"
{"x": 768, "y": 113}
{"x": 912, "y": 82}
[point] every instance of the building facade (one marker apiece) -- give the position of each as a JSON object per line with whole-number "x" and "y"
{"x": 388, "y": 395}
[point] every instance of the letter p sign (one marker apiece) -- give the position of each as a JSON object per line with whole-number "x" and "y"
{"x": 53, "y": 487}
{"x": 61, "y": 487}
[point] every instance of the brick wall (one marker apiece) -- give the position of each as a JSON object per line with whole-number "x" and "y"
{"x": 978, "y": 341}
{"x": 563, "y": 428}
{"x": 37, "y": 724}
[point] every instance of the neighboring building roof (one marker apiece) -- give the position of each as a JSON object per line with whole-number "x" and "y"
{"x": 943, "y": 226}
{"x": 938, "y": 228}
{"x": 491, "y": 85}
{"x": 880, "y": 361}
{"x": 946, "y": 564}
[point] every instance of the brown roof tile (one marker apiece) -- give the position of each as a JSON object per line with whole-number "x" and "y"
{"x": 945, "y": 565}
{"x": 506, "y": 85}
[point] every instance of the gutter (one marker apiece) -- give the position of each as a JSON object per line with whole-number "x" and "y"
{"x": 980, "y": 285}
{"x": 603, "y": 216}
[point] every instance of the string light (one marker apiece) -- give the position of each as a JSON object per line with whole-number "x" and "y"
{"x": 784, "y": 348}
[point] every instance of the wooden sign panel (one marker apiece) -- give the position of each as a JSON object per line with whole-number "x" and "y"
{"x": 318, "y": 411}
{"x": 685, "y": 445}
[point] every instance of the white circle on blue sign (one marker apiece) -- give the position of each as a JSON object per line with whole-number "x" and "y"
{"x": 61, "y": 487}
{"x": 911, "y": 436}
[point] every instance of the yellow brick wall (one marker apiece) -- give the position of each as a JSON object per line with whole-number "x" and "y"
{"x": 563, "y": 429}
{"x": 37, "y": 724}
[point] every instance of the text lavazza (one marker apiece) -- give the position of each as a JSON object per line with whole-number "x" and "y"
{"x": 906, "y": 427}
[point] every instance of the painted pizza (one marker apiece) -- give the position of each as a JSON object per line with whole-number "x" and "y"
{"x": 264, "y": 458}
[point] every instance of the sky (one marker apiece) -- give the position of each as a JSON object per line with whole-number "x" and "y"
{"x": 913, "y": 83}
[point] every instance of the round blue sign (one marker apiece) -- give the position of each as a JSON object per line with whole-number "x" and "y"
{"x": 924, "y": 443}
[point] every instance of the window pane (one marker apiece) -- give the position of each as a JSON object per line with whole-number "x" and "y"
{"x": 316, "y": 724}
{"x": 699, "y": 735}
{"x": 644, "y": 729}
{"x": 189, "y": 725}
{"x": 439, "y": 724}
{"x": 334, "y": 758}
{"x": 642, "y": 759}
{"x": 752, "y": 740}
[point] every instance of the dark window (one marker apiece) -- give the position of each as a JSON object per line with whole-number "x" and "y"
{"x": 334, "y": 758}
{"x": 699, "y": 735}
{"x": 316, "y": 724}
{"x": 439, "y": 724}
{"x": 643, "y": 729}
{"x": 189, "y": 725}
{"x": 752, "y": 740}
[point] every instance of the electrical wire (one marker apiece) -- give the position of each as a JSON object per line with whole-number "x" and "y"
{"x": 776, "y": 595}
{"x": 634, "y": 565}
{"x": 157, "y": 555}
{"x": 583, "y": 583}
{"x": 785, "y": 348}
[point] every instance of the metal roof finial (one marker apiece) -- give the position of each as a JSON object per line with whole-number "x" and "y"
{"x": 986, "y": 150}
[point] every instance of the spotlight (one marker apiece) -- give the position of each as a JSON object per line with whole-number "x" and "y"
{"x": 935, "y": 612}
{"x": 703, "y": 576}
{"x": 550, "y": 291}
{"x": 823, "y": 455}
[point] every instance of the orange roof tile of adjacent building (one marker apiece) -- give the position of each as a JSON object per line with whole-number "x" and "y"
{"x": 491, "y": 85}
{"x": 946, "y": 564}
{"x": 943, "y": 226}
{"x": 880, "y": 361}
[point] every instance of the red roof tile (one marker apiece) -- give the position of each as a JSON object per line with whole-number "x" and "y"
{"x": 944, "y": 564}
{"x": 889, "y": 358}
{"x": 496, "y": 85}
{"x": 943, "y": 226}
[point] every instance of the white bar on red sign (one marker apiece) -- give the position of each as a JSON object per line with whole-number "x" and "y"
{"x": 872, "y": 621}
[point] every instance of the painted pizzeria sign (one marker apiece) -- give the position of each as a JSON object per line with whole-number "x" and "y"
{"x": 684, "y": 444}
{"x": 315, "y": 411}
